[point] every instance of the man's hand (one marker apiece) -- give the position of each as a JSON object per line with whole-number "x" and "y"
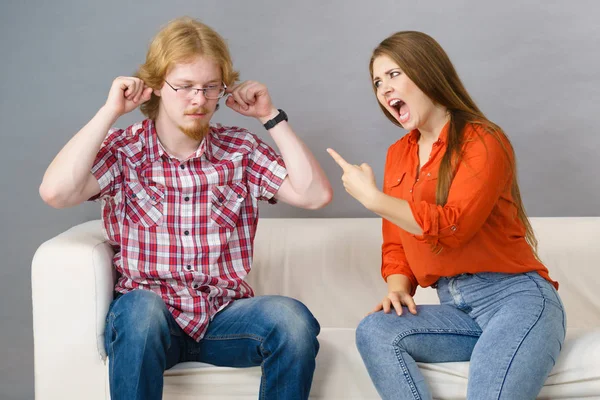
{"x": 359, "y": 180}
{"x": 251, "y": 99}
{"x": 396, "y": 300}
{"x": 126, "y": 93}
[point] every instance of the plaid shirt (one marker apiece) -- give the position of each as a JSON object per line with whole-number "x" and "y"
{"x": 185, "y": 229}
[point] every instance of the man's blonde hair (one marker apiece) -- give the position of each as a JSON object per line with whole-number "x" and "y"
{"x": 180, "y": 41}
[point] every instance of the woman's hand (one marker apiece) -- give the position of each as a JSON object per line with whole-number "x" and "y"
{"x": 359, "y": 180}
{"x": 396, "y": 299}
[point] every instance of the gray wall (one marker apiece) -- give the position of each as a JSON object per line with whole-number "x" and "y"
{"x": 532, "y": 67}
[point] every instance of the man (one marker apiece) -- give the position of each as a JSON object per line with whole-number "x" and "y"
{"x": 180, "y": 205}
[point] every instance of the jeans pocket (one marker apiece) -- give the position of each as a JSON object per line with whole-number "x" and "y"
{"x": 226, "y": 202}
{"x": 547, "y": 290}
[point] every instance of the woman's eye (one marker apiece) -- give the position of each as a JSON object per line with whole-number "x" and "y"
{"x": 377, "y": 84}
{"x": 394, "y": 74}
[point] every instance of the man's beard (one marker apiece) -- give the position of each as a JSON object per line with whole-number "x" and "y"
{"x": 198, "y": 129}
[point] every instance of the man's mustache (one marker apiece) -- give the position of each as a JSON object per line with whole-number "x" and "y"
{"x": 199, "y": 110}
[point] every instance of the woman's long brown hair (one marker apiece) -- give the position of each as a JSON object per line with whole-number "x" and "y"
{"x": 424, "y": 61}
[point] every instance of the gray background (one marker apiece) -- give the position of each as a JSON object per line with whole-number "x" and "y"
{"x": 531, "y": 66}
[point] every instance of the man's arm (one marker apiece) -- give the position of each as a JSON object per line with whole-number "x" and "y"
{"x": 306, "y": 185}
{"x": 68, "y": 180}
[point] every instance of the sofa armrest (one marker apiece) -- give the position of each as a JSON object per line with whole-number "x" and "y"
{"x": 72, "y": 286}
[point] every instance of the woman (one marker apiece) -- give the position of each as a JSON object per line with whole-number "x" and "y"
{"x": 452, "y": 219}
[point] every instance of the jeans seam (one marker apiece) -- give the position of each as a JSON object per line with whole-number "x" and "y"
{"x": 263, "y": 384}
{"x": 425, "y": 330}
{"x": 523, "y": 339}
{"x": 557, "y": 303}
{"x": 233, "y": 337}
{"x": 407, "y": 376}
{"x": 400, "y": 358}
{"x": 263, "y": 387}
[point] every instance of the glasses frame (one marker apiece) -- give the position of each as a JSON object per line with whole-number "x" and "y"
{"x": 193, "y": 92}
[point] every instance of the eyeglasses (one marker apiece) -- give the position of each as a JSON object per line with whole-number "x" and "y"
{"x": 211, "y": 92}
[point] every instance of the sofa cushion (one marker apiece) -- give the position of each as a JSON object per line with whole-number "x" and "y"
{"x": 340, "y": 373}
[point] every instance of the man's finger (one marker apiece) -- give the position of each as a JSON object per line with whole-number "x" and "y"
{"x": 338, "y": 159}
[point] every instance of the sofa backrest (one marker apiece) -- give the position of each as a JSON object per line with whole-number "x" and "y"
{"x": 333, "y": 265}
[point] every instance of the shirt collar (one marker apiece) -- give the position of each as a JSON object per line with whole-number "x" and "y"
{"x": 155, "y": 149}
{"x": 414, "y": 135}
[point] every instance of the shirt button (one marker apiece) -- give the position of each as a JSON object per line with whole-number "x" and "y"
{"x": 186, "y": 198}
{"x": 429, "y": 174}
{"x": 182, "y": 166}
{"x": 221, "y": 199}
{"x": 240, "y": 196}
{"x": 195, "y": 286}
{"x": 186, "y": 233}
{"x": 188, "y": 267}
{"x": 453, "y": 228}
{"x": 410, "y": 190}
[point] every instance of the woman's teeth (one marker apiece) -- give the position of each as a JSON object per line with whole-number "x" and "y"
{"x": 396, "y": 104}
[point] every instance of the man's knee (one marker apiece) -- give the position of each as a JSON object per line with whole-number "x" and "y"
{"x": 137, "y": 315}
{"x": 293, "y": 323}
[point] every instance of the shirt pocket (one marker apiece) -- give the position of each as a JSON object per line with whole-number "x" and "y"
{"x": 144, "y": 203}
{"x": 393, "y": 183}
{"x": 226, "y": 203}
{"x": 430, "y": 175}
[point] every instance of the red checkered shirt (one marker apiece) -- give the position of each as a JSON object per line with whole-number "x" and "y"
{"x": 185, "y": 229}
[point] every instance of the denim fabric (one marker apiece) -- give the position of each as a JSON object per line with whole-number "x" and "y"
{"x": 510, "y": 326}
{"x": 275, "y": 332}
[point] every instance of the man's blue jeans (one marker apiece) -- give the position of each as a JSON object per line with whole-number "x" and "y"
{"x": 510, "y": 326}
{"x": 275, "y": 332}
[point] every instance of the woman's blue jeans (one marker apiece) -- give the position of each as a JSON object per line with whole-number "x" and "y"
{"x": 275, "y": 332}
{"x": 510, "y": 326}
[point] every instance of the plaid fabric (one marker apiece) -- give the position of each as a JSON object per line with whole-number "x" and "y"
{"x": 185, "y": 229}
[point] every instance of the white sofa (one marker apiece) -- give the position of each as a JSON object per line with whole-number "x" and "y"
{"x": 332, "y": 265}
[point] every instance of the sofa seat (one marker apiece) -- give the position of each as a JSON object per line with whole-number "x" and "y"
{"x": 332, "y": 266}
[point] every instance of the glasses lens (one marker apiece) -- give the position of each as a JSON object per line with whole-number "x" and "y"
{"x": 213, "y": 92}
{"x": 189, "y": 93}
